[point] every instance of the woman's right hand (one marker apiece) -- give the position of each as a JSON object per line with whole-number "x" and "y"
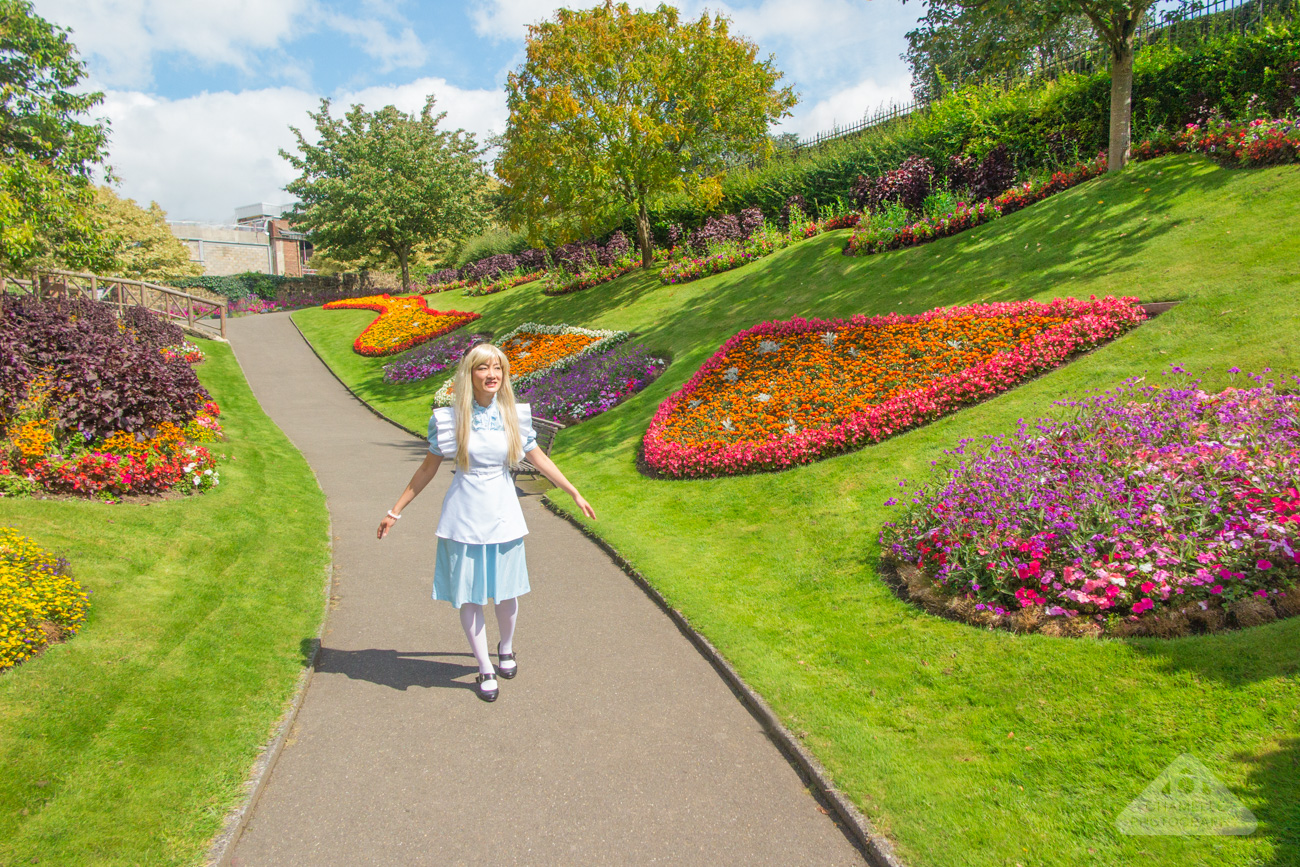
{"x": 386, "y": 525}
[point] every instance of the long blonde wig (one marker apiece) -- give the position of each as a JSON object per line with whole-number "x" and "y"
{"x": 463, "y": 402}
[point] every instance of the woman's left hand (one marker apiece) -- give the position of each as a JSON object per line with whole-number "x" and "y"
{"x": 584, "y": 506}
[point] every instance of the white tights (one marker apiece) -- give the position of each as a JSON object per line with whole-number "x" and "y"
{"x": 474, "y": 624}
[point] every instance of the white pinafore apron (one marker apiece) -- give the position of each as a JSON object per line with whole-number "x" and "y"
{"x": 481, "y": 528}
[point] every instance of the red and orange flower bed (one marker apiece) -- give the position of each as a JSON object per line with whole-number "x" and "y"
{"x": 793, "y": 392}
{"x": 403, "y": 322}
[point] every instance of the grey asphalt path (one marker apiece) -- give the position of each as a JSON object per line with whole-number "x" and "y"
{"x": 617, "y": 743}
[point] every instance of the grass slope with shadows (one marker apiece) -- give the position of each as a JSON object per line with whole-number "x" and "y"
{"x": 130, "y": 743}
{"x": 966, "y": 747}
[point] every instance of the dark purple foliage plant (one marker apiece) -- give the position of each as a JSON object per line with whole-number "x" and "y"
{"x": 909, "y": 184}
{"x": 795, "y": 202}
{"x": 864, "y": 192}
{"x": 102, "y": 377}
{"x": 490, "y": 267}
{"x": 994, "y": 175}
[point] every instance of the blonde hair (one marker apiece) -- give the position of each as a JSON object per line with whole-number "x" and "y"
{"x": 463, "y": 403}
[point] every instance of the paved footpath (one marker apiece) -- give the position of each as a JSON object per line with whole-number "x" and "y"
{"x": 617, "y": 743}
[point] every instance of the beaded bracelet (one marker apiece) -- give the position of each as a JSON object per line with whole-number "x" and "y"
{"x": 394, "y": 517}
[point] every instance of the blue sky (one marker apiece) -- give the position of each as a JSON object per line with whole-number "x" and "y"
{"x": 200, "y": 94}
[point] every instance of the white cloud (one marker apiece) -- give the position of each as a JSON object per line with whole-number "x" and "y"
{"x": 203, "y": 156}
{"x": 509, "y": 19}
{"x": 405, "y": 50}
{"x": 848, "y": 106}
{"x": 123, "y": 38}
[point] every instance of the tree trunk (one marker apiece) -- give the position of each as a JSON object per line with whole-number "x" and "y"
{"x": 403, "y": 256}
{"x": 644, "y": 239}
{"x": 1121, "y": 105}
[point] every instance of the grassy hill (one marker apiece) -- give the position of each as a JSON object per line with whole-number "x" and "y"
{"x": 129, "y": 743}
{"x": 964, "y": 746}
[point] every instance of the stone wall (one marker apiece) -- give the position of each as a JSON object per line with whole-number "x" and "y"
{"x": 225, "y": 250}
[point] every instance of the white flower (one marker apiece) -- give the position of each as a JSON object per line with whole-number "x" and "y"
{"x": 727, "y": 425}
{"x": 188, "y": 468}
{"x": 197, "y": 479}
{"x": 791, "y": 428}
{"x": 767, "y": 345}
{"x": 731, "y": 374}
{"x": 829, "y": 338}
{"x": 207, "y": 472}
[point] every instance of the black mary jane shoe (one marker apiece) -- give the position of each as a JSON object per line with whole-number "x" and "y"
{"x": 484, "y": 693}
{"x": 510, "y": 672}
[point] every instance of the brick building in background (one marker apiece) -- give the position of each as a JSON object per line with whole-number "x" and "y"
{"x": 258, "y": 240}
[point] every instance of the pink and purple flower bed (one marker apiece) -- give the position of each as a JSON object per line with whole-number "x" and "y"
{"x": 1144, "y": 511}
{"x": 593, "y": 384}
{"x": 433, "y": 357}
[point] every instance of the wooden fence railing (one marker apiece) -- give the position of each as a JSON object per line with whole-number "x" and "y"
{"x": 204, "y": 315}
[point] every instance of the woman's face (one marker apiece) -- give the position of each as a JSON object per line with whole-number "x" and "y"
{"x": 487, "y": 380}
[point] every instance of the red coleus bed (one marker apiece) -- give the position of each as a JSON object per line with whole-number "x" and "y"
{"x": 402, "y": 323}
{"x": 793, "y": 392}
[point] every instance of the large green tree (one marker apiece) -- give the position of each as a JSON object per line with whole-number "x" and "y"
{"x": 614, "y": 108}
{"x": 139, "y": 240}
{"x": 955, "y": 42}
{"x": 47, "y": 149}
{"x": 1114, "y": 23}
{"x": 385, "y": 183}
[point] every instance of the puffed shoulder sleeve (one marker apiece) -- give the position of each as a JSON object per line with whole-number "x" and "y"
{"x": 526, "y": 433}
{"x": 442, "y": 432}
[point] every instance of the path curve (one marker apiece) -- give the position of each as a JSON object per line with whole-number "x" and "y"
{"x": 616, "y": 744}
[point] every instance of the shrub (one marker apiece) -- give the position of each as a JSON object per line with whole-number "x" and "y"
{"x": 909, "y": 184}
{"x": 264, "y": 286}
{"x": 716, "y": 232}
{"x": 994, "y": 174}
{"x": 493, "y": 242}
{"x": 40, "y": 602}
{"x": 615, "y": 249}
{"x": 101, "y": 378}
{"x": 490, "y": 267}
{"x": 794, "y": 203}
{"x": 863, "y": 192}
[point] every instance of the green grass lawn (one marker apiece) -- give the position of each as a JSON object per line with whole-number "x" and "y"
{"x": 964, "y": 746}
{"x": 129, "y": 743}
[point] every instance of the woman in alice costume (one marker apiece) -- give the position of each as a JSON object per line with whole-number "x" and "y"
{"x": 481, "y": 529}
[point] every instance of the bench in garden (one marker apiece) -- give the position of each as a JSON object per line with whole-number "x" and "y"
{"x": 546, "y": 431}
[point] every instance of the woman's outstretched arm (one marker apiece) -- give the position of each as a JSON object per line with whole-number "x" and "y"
{"x": 539, "y": 459}
{"x": 423, "y": 475}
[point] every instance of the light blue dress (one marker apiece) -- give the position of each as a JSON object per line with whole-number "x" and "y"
{"x": 480, "y": 532}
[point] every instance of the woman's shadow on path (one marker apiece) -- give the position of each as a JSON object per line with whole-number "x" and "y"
{"x": 392, "y": 668}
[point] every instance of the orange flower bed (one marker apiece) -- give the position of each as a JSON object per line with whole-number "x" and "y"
{"x": 402, "y": 323}
{"x": 537, "y": 351}
{"x": 785, "y": 393}
{"x": 528, "y": 351}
